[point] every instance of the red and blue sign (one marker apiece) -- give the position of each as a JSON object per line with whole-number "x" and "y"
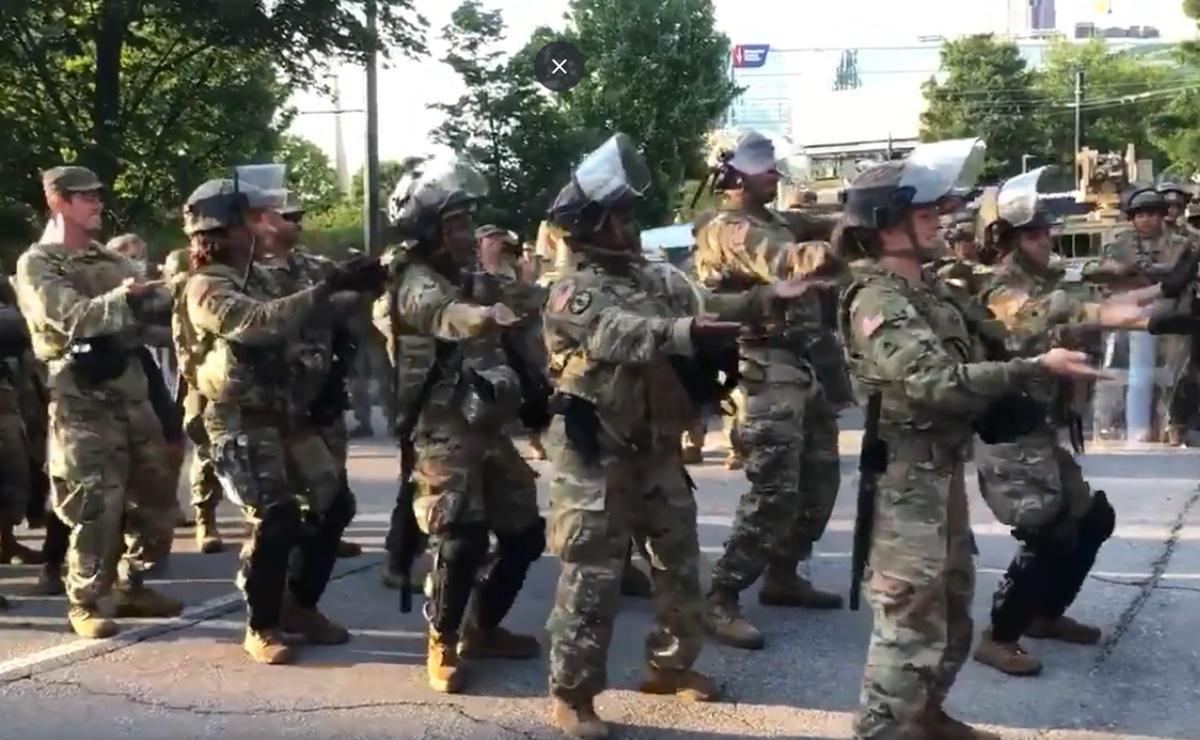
{"x": 750, "y": 56}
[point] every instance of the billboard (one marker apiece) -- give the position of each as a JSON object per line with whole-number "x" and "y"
{"x": 750, "y": 56}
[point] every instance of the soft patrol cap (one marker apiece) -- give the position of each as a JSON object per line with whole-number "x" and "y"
{"x": 71, "y": 179}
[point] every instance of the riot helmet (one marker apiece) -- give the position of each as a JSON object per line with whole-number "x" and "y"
{"x": 614, "y": 175}
{"x": 432, "y": 191}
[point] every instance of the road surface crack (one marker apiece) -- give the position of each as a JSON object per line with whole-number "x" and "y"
{"x": 206, "y": 711}
{"x": 1144, "y": 582}
{"x": 1146, "y": 589}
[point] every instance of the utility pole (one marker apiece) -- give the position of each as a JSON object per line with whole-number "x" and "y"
{"x": 371, "y": 175}
{"x": 1078, "y": 109}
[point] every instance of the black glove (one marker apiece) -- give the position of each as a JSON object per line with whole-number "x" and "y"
{"x": 1182, "y": 274}
{"x": 1010, "y": 416}
{"x": 362, "y": 274}
{"x": 1174, "y": 323}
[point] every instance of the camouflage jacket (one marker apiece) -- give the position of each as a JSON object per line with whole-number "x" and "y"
{"x": 231, "y": 337}
{"x": 1130, "y": 249}
{"x": 914, "y": 345}
{"x": 610, "y": 332}
{"x": 70, "y": 296}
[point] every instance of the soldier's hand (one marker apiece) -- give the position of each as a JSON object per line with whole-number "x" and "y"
{"x": 792, "y": 289}
{"x": 362, "y": 274}
{"x": 1070, "y": 364}
{"x": 502, "y": 316}
{"x": 708, "y": 327}
{"x": 138, "y": 289}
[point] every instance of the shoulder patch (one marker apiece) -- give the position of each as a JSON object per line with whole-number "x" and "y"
{"x": 580, "y": 302}
{"x": 560, "y": 296}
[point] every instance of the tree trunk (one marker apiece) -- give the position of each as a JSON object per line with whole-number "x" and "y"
{"x": 111, "y": 27}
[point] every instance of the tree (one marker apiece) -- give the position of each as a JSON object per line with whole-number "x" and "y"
{"x": 1173, "y": 127}
{"x": 155, "y": 95}
{"x": 523, "y": 142}
{"x": 1120, "y": 91}
{"x": 310, "y": 175}
{"x": 657, "y": 71}
{"x": 987, "y": 92}
{"x": 847, "y": 72}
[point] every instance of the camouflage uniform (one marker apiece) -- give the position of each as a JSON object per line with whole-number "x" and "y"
{"x": 1033, "y": 484}
{"x": 611, "y": 334}
{"x": 787, "y": 425}
{"x": 104, "y": 434}
{"x": 911, "y": 343}
{"x": 232, "y": 342}
{"x": 470, "y": 479}
{"x": 16, "y": 482}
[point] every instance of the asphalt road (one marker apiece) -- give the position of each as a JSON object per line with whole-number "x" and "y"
{"x": 187, "y": 677}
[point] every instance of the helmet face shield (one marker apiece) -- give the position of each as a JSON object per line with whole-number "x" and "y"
{"x": 944, "y": 168}
{"x": 614, "y": 171}
{"x": 265, "y": 184}
{"x": 1019, "y": 199}
{"x": 754, "y": 154}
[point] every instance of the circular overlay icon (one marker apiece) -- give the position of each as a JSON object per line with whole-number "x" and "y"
{"x": 558, "y": 66}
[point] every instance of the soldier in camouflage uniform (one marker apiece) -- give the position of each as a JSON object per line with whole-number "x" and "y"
{"x": 238, "y": 351}
{"x": 1178, "y": 199}
{"x": 470, "y": 481}
{"x": 908, "y": 340}
{"x": 16, "y": 484}
{"x": 786, "y": 421}
{"x": 1137, "y": 258}
{"x": 623, "y": 346}
{"x": 84, "y": 308}
{"x": 319, "y": 403}
{"x": 1033, "y": 483}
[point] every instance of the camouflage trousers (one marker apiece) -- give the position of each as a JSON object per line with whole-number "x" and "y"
{"x": 920, "y": 582}
{"x": 202, "y": 480}
{"x": 111, "y": 484}
{"x": 789, "y": 435}
{"x": 16, "y": 481}
{"x": 292, "y": 492}
{"x": 1028, "y": 482}
{"x": 596, "y": 508}
{"x": 465, "y": 476}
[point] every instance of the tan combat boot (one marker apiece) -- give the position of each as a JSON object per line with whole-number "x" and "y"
{"x": 782, "y": 587}
{"x": 535, "y": 446}
{"x": 267, "y": 647}
{"x": 1064, "y": 629}
{"x": 87, "y": 621}
{"x": 208, "y": 538}
{"x": 727, "y": 625}
{"x": 441, "y": 663}
{"x": 315, "y": 627}
{"x": 1006, "y": 657}
{"x": 497, "y": 642}
{"x": 140, "y": 602}
{"x": 944, "y": 727}
{"x": 687, "y": 685}
{"x": 577, "y": 719}
{"x": 734, "y": 461}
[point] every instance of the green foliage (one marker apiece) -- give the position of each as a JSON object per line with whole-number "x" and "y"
{"x": 1173, "y": 125}
{"x": 158, "y": 95}
{"x": 656, "y": 71}
{"x": 988, "y": 92}
{"x": 1109, "y": 124}
{"x": 310, "y": 175}
{"x": 332, "y": 231}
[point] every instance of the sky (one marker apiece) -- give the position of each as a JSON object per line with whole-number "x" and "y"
{"x": 407, "y": 86}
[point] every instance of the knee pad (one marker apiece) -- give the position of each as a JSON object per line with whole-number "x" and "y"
{"x": 527, "y": 545}
{"x": 1098, "y": 523}
{"x": 465, "y": 545}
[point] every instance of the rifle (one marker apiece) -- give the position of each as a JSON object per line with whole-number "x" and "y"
{"x": 404, "y": 521}
{"x": 872, "y": 461}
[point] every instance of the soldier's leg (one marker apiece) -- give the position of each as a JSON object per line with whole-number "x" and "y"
{"x": 250, "y": 465}
{"x": 820, "y": 477}
{"x": 89, "y": 465}
{"x": 337, "y": 439}
{"x": 908, "y": 592}
{"x": 15, "y": 480}
{"x": 360, "y": 393}
{"x": 590, "y": 529}
{"x": 666, "y": 523}
{"x": 510, "y": 497}
{"x": 960, "y": 588}
{"x": 736, "y": 452}
{"x": 205, "y": 492}
{"x": 772, "y": 429}
{"x": 693, "y": 440}
{"x": 449, "y": 508}
{"x": 328, "y": 506}
{"x": 150, "y": 508}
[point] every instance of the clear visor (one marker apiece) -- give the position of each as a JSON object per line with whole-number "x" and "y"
{"x": 944, "y": 168}
{"x": 613, "y": 171}
{"x": 441, "y": 178}
{"x": 267, "y": 184}
{"x": 1019, "y": 199}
